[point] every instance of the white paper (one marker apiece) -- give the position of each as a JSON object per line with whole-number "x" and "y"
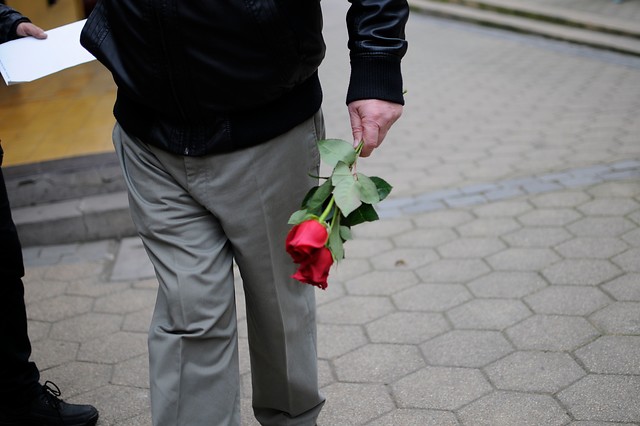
{"x": 27, "y": 59}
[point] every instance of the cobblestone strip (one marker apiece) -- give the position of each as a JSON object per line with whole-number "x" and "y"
{"x": 489, "y": 192}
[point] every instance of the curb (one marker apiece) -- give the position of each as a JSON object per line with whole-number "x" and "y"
{"x": 573, "y": 27}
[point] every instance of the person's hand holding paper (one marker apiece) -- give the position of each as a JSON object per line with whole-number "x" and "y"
{"x": 29, "y": 58}
{"x": 26, "y": 29}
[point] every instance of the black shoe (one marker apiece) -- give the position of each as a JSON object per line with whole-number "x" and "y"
{"x": 48, "y": 410}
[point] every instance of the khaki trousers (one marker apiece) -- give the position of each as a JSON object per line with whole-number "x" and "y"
{"x": 196, "y": 215}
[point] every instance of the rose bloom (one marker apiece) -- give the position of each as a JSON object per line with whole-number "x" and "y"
{"x": 305, "y": 238}
{"x": 306, "y": 245}
{"x": 315, "y": 270}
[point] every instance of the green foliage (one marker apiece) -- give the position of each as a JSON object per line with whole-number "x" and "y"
{"x": 333, "y": 151}
{"x": 344, "y": 199}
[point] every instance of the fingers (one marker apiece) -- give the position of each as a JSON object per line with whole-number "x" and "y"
{"x": 26, "y": 29}
{"x": 371, "y": 119}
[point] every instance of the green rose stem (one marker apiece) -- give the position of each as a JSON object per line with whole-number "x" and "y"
{"x": 325, "y": 213}
{"x": 331, "y": 204}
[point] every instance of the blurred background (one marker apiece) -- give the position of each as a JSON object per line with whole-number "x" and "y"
{"x": 39, "y": 120}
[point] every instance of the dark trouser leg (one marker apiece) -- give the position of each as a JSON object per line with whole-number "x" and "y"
{"x": 18, "y": 377}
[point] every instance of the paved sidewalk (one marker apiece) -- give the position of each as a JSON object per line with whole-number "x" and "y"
{"x": 500, "y": 287}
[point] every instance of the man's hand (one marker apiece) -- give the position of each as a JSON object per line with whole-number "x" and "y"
{"x": 371, "y": 119}
{"x": 26, "y": 29}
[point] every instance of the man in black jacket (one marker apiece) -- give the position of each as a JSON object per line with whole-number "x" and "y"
{"x": 23, "y": 400}
{"x": 218, "y": 115}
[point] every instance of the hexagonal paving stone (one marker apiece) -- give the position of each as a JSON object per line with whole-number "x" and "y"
{"x": 453, "y": 271}
{"x": 407, "y": 327}
{"x": 371, "y": 363}
{"x": 552, "y": 333}
{"x": 132, "y": 372}
{"x": 59, "y": 307}
{"x": 443, "y": 219}
{"x": 325, "y": 374}
{"x": 49, "y": 353}
{"x": 616, "y": 189}
{"x": 612, "y": 355}
{"x": 619, "y": 318}
{"x": 632, "y": 237}
{"x": 488, "y": 227}
{"x": 523, "y": 259}
{"x": 488, "y": 314}
{"x": 36, "y": 290}
{"x": 124, "y": 403}
{"x": 629, "y": 260}
{"x": 65, "y": 272}
{"x": 365, "y": 248}
{"x": 415, "y": 417}
{"x": 604, "y": 398}
{"x": 625, "y": 288}
{"x": 511, "y": 408}
{"x": 38, "y": 330}
{"x": 354, "y": 310}
{"x": 141, "y": 320}
{"x": 503, "y": 208}
{"x": 404, "y": 259}
{"x": 534, "y": 372}
{"x": 601, "y": 227}
{"x": 466, "y": 348}
{"x": 74, "y": 378}
{"x": 347, "y": 269}
{"x": 596, "y": 248}
{"x": 336, "y": 340}
{"x": 85, "y": 327}
{"x": 431, "y": 297}
{"x": 383, "y": 228}
{"x": 440, "y": 388}
{"x": 581, "y": 272}
{"x": 91, "y": 287}
{"x": 114, "y": 348}
{"x": 381, "y": 283}
{"x": 425, "y": 238}
{"x": 549, "y": 217}
{"x": 506, "y": 284}
{"x": 567, "y": 300}
{"x": 471, "y": 247}
{"x": 129, "y": 300}
{"x": 537, "y": 237}
{"x": 342, "y": 408}
{"x": 587, "y": 423}
{"x": 609, "y": 207}
{"x": 560, "y": 199}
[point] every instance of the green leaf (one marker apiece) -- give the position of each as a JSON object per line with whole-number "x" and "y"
{"x": 341, "y": 172}
{"x": 319, "y": 196}
{"x": 347, "y": 196}
{"x": 367, "y": 189}
{"x": 333, "y": 151}
{"x": 307, "y": 196}
{"x": 345, "y": 233}
{"x": 383, "y": 187}
{"x": 364, "y": 213}
{"x": 298, "y": 217}
{"x": 335, "y": 243}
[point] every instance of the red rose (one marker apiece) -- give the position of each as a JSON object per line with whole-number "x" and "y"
{"x": 306, "y": 245}
{"x": 315, "y": 269}
{"x": 305, "y": 238}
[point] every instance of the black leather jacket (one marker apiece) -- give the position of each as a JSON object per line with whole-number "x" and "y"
{"x": 9, "y": 20}
{"x": 199, "y": 77}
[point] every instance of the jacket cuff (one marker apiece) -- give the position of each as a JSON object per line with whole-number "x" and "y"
{"x": 375, "y": 77}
